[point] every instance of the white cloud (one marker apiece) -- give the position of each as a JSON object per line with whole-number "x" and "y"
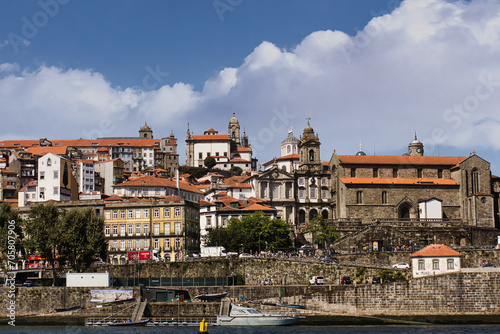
{"x": 425, "y": 67}
{"x": 9, "y": 67}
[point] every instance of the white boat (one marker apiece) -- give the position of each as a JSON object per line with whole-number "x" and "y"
{"x": 233, "y": 315}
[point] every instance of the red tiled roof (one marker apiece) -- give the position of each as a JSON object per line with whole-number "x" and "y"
{"x": 27, "y": 184}
{"x": 258, "y": 207}
{"x": 325, "y": 163}
{"x": 133, "y": 142}
{"x": 243, "y": 149}
{"x": 292, "y": 156}
{"x": 435, "y": 250}
{"x": 210, "y": 137}
{"x": 114, "y": 198}
{"x": 399, "y": 160}
{"x": 59, "y": 150}
{"x": 174, "y": 198}
{"x": 8, "y": 171}
{"x": 421, "y": 181}
{"x": 205, "y": 203}
{"x": 239, "y": 160}
{"x": 151, "y": 181}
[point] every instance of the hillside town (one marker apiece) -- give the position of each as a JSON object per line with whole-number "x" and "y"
{"x": 150, "y": 201}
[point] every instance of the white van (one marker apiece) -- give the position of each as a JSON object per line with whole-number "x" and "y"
{"x": 317, "y": 280}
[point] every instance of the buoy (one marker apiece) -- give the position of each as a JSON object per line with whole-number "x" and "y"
{"x": 203, "y": 326}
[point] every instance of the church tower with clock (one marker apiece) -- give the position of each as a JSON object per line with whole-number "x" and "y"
{"x": 416, "y": 148}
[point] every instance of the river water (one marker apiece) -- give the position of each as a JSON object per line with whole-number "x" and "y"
{"x": 433, "y": 329}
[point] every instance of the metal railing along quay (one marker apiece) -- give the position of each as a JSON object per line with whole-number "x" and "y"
{"x": 153, "y": 321}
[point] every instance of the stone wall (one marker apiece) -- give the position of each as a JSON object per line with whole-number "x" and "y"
{"x": 474, "y": 291}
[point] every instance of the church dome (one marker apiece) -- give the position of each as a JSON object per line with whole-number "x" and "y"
{"x": 233, "y": 120}
{"x": 308, "y": 133}
{"x": 360, "y": 153}
{"x": 145, "y": 127}
{"x": 290, "y": 138}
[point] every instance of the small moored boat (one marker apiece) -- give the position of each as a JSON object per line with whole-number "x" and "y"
{"x": 234, "y": 315}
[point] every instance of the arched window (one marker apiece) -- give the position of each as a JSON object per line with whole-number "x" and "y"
{"x": 404, "y": 212}
{"x": 324, "y": 214}
{"x": 302, "y": 217}
{"x": 475, "y": 181}
{"x": 288, "y": 149}
{"x": 384, "y": 197}
{"x": 313, "y": 214}
{"x": 311, "y": 155}
{"x": 234, "y": 135}
{"x": 49, "y": 162}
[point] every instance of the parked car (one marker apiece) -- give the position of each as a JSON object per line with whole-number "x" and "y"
{"x": 317, "y": 280}
{"x": 401, "y": 266}
{"x": 345, "y": 280}
{"x": 246, "y": 255}
{"x": 28, "y": 283}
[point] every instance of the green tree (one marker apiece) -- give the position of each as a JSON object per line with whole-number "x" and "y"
{"x": 209, "y": 162}
{"x": 236, "y": 170}
{"x": 83, "y": 240}
{"x": 250, "y": 232}
{"x": 324, "y": 234}
{"x": 45, "y": 234}
{"x": 11, "y": 237}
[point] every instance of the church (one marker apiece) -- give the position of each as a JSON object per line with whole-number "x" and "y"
{"x": 229, "y": 150}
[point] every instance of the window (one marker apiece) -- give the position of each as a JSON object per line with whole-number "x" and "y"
{"x": 156, "y": 213}
{"x": 137, "y": 214}
{"x": 419, "y": 173}
{"x": 122, "y": 214}
{"x": 156, "y": 229}
{"x": 224, "y": 221}
{"x": 146, "y": 229}
{"x": 130, "y": 229}
{"x": 42, "y": 193}
{"x": 209, "y": 222}
{"x": 56, "y": 174}
{"x": 146, "y": 244}
{"x": 122, "y": 230}
{"x": 130, "y": 245}
{"x": 177, "y": 243}
{"x": 115, "y": 244}
{"x": 177, "y": 227}
{"x": 42, "y": 175}
{"x": 115, "y": 230}
{"x": 324, "y": 193}
{"x": 106, "y": 230}
{"x": 156, "y": 243}
{"x": 302, "y": 181}
{"x": 49, "y": 162}
{"x": 302, "y": 193}
{"x": 435, "y": 264}
{"x": 166, "y": 213}
{"x": 56, "y": 190}
{"x": 421, "y": 264}
{"x": 384, "y": 197}
{"x": 107, "y": 214}
{"x": 394, "y": 172}
{"x": 324, "y": 181}
{"x": 359, "y": 197}
{"x": 475, "y": 181}
{"x": 353, "y": 172}
{"x": 311, "y": 155}
{"x": 177, "y": 212}
{"x": 166, "y": 243}
{"x": 375, "y": 172}
{"x": 138, "y": 229}
{"x": 115, "y": 214}
{"x": 450, "y": 264}
{"x": 440, "y": 173}
{"x": 130, "y": 214}
{"x": 166, "y": 228}
{"x": 146, "y": 213}
{"x": 313, "y": 192}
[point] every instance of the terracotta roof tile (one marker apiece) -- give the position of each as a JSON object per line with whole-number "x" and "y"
{"x": 211, "y": 137}
{"x": 258, "y": 207}
{"x": 151, "y": 181}
{"x": 435, "y": 250}
{"x": 8, "y": 171}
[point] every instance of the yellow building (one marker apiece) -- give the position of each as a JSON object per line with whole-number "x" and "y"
{"x": 168, "y": 227}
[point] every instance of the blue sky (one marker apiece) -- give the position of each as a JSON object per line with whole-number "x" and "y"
{"x": 365, "y": 71}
